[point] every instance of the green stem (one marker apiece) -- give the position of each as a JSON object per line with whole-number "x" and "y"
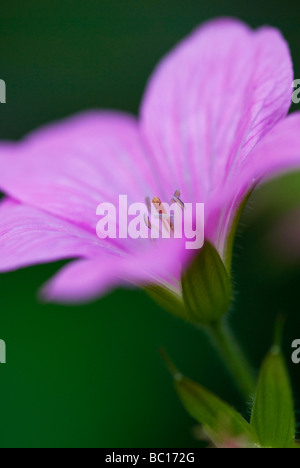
{"x": 233, "y": 357}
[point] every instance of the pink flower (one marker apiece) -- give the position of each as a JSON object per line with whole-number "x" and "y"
{"x": 213, "y": 124}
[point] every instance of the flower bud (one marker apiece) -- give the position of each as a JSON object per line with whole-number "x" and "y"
{"x": 206, "y": 287}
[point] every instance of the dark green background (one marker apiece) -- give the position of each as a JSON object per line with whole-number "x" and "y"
{"x": 91, "y": 376}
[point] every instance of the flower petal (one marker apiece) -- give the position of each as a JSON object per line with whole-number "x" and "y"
{"x": 86, "y": 280}
{"x": 211, "y": 101}
{"x": 29, "y": 236}
{"x": 68, "y": 168}
{"x": 83, "y": 281}
{"x": 276, "y": 153}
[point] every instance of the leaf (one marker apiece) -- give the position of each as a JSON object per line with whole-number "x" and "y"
{"x": 206, "y": 287}
{"x": 224, "y": 426}
{"x": 273, "y": 412}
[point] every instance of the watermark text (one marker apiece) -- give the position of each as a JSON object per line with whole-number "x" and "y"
{"x": 296, "y": 93}
{"x": 2, "y": 352}
{"x": 296, "y": 353}
{"x": 153, "y": 220}
{"x": 2, "y": 92}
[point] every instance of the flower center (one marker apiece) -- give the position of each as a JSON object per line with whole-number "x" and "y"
{"x": 158, "y": 211}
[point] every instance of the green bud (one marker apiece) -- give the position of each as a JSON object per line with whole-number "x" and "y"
{"x": 206, "y": 287}
{"x": 273, "y": 416}
{"x": 224, "y": 426}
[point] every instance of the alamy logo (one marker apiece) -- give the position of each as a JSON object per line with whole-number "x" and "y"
{"x": 296, "y": 353}
{"x": 2, "y": 352}
{"x": 296, "y": 93}
{"x": 2, "y": 92}
{"x": 153, "y": 220}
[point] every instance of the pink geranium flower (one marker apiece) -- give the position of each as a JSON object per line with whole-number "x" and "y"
{"x": 213, "y": 124}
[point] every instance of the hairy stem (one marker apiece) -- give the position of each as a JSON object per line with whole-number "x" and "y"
{"x": 233, "y": 357}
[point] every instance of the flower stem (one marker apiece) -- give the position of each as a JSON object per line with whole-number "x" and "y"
{"x": 233, "y": 357}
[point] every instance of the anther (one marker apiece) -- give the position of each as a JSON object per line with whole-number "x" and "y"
{"x": 156, "y": 201}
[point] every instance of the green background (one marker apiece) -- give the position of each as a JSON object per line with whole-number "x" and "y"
{"x": 91, "y": 376}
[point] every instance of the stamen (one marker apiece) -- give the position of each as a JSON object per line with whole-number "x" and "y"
{"x": 176, "y": 199}
{"x": 167, "y": 223}
{"x": 147, "y": 220}
{"x": 162, "y": 214}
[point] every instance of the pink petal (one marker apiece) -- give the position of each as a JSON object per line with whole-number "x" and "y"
{"x": 83, "y": 281}
{"x": 29, "y": 236}
{"x": 276, "y": 153}
{"x": 69, "y": 168}
{"x": 210, "y": 102}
